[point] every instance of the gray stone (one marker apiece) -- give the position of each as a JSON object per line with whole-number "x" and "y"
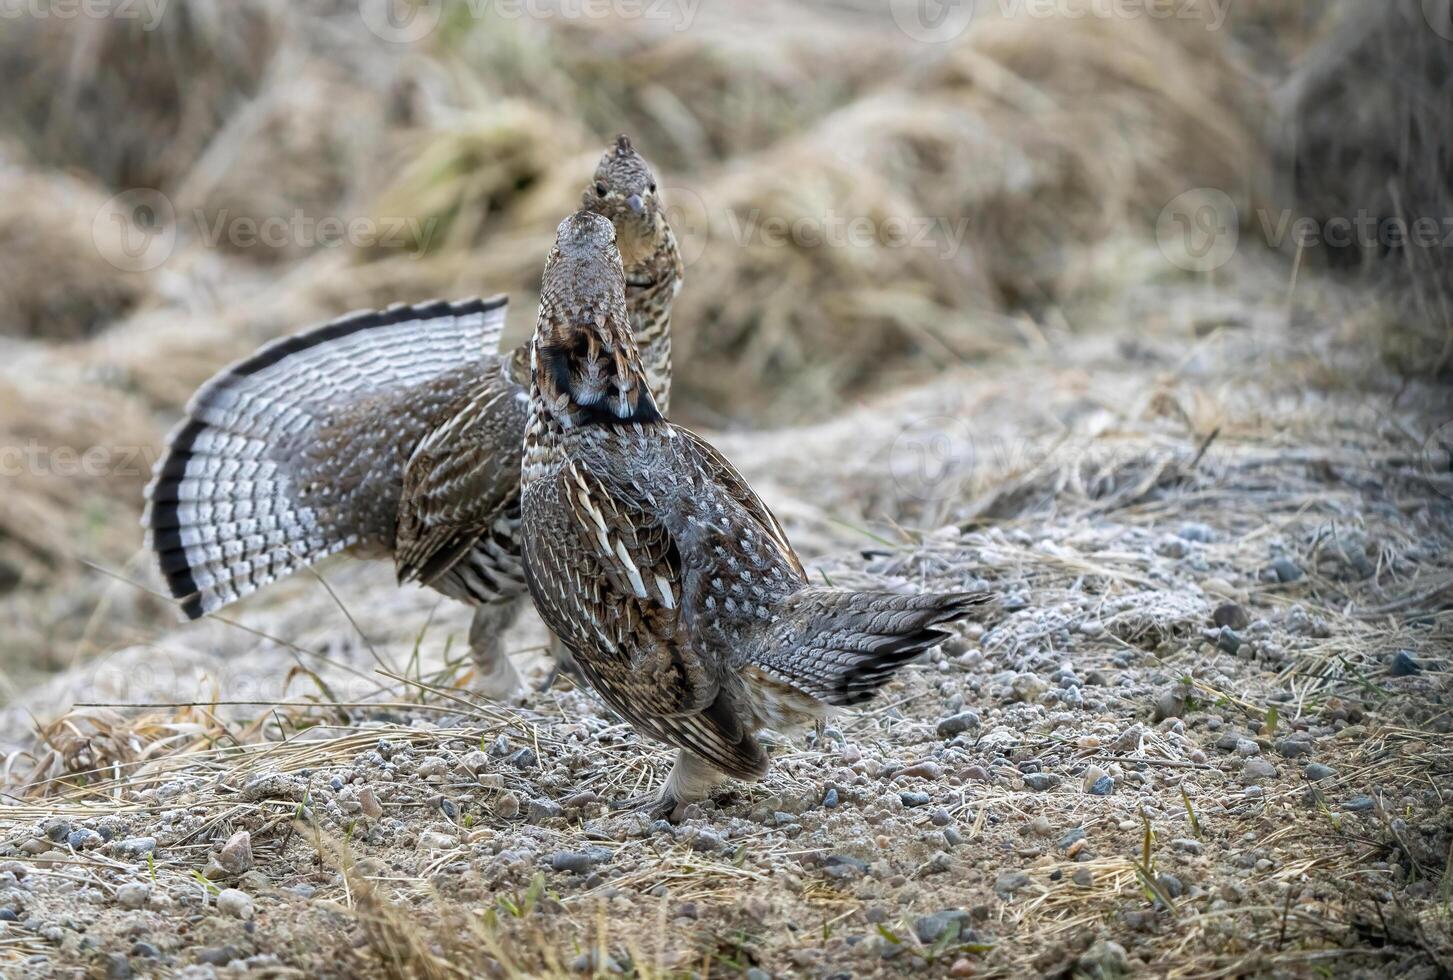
{"x": 1010, "y": 882}
{"x": 578, "y": 862}
{"x": 1229, "y": 615}
{"x": 1103, "y": 786}
{"x": 138, "y": 846}
{"x": 1077, "y": 833}
{"x": 1403, "y": 665}
{"x": 1359, "y": 804}
{"x": 541, "y": 810}
{"x": 1286, "y": 570}
{"x": 233, "y": 902}
{"x": 132, "y": 895}
{"x": 1105, "y": 959}
{"x": 1256, "y": 770}
{"x": 830, "y": 799}
{"x": 915, "y": 799}
{"x": 1227, "y": 640}
{"x": 1290, "y": 748}
{"x": 1316, "y": 772}
{"x": 1040, "y": 781}
{"x": 958, "y": 724}
{"x": 1246, "y": 748}
{"x": 929, "y": 928}
{"x": 1170, "y": 884}
{"x": 83, "y": 840}
{"x": 219, "y": 955}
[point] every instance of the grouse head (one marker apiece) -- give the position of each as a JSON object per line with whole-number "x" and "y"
{"x": 624, "y": 191}
{"x": 586, "y": 366}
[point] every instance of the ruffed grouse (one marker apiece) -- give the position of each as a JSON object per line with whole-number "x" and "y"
{"x": 394, "y": 434}
{"x": 672, "y": 584}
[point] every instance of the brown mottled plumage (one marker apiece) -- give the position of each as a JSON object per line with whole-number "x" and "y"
{"x": 394, "y": 434}
{"x": 649, "y": 556}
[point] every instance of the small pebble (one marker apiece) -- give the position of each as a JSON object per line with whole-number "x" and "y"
{"x": 830, "y": 799}
{"x": 132, "y": 895}
{"x": 924, "y": 770}
{"x": 83, "y": 840}
{"x": 1286, "y": 570}
{"x": 1359, "y": 804}
{"x": 1229, "y": 615}
{"x": 368, "y": 802}
{"x": 1104, "y": 786}
{"x": 542, "y": 810}
{"x": 1227, "y": 640}
{"x": 941, "y": 818}
{"x": 915, "y": 799}
{"x": 236, "y": 854}
{"x": 1040, "y": 781}
{"x": 1256, "y": 770}
{"x": 507, "y": 806}
{"x": 958, "y": 724}
{"x": 138, "y": 846}
{"x": 1010, "y": 882}
{"x": 231, "y": 901}
{"x": 1246, "y": 748}
{"x": 576, "y": 862}
{"x": 1403, "y": 665}
{"x": 1316, "y": 772}
{"x": 1289, "y": 748}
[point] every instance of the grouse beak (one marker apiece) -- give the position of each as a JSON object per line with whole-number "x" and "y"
{"x": 635, "y": 203}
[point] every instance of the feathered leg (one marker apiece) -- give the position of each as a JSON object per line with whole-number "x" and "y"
{"x": 691, "y": 779}
{"x": 498, "y": 679}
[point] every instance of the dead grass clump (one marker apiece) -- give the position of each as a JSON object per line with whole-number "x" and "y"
{"x": 172, "y": 83}
{"x": 695, "y": 87}
{"x": 55, "y": 284}
{"x": 1109, "y": 119}
{"x": 916, "y": 219}
{"x": 293, "y": 157}
{"x": 1378, "y": 156}
{"x": 73, "y": 466}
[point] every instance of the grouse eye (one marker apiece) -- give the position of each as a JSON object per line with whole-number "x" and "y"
{"x": 600, "y": 190}
{"x": 653, "y": 187}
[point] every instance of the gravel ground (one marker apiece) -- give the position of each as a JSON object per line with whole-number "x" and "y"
{"x": 1205, "y": 732}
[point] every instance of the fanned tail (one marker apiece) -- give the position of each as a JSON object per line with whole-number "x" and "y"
{"x": 225, "y": 512}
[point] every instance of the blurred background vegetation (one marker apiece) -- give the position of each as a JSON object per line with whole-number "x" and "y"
{"x": 1005, "y": 177}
